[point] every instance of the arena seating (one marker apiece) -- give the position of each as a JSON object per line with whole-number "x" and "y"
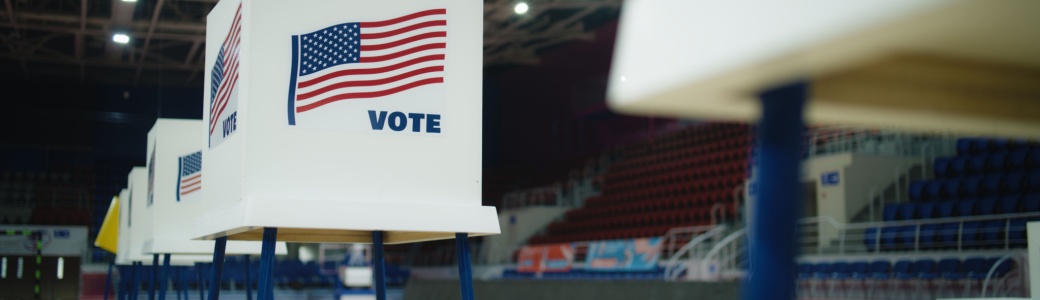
{"x": 671, "y": 181}
{"x": 988, "y": 177}
{"x": 838, "y": 279}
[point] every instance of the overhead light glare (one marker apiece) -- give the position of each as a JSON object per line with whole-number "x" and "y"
{"x": 121, "y": 38}
{"x": 129, "y": 0}
{"x": 521, "y": 8}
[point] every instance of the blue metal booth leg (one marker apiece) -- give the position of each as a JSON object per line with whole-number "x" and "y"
{"x": 154, "y": 278}
{"x": 201, "y": 281}
{"x": 249, "y": 284}
{"x": 164, "y": 277}
{"x": 135, "y": 283}
{"x": 218, "y": 266}
{"x": 465, "y": 270}
{"x": 379, "y": 265}
{"x": 108, "y": 280}
{"x": 772, "y": 270}
{"x": 265, "y": 286}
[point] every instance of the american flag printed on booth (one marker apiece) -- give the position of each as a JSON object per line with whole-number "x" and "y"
{"x": 223, "y": 89}
{"x": 189, "y": 177}
{"x": 341, "y": 71}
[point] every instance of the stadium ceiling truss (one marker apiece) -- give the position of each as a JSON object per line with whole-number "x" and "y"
{"x": 73, "y": 38}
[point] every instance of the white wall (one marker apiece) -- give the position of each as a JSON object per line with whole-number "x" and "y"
{"x": 857, "y": 175}
{"x": 528, "y": 221}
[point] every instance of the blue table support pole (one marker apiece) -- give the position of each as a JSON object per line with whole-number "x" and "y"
{"x": 218, "y": 266}
{"x": 177, "y": 277}
{"x": 155, "y": 276}
{"x": 124, "y": 273}
{"x": 108, "y": 280}
{"x": 772, "y": 269}
{"x": 265, "y": 286}
{"x": 379, "y": 265}
{"x": 202, "y": 283}
{"x": 184, "y": 282}
{"x": 135, "y": 283}
{"x": 465, "y": 269}
{"x": 249, "y": 284}
{"x": 164, "y": 277}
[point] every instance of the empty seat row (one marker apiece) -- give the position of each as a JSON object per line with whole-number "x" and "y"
{"x": 974, "y": 186}
{"x": 975, "y": 268}
{"x": 967, "y": 146}
{"x": 987, "y": 163}
{"x": 995, "y": 233}
{"x": 968, "y": 207}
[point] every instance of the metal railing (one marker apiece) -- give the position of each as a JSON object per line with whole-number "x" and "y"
{"x": 824, "y": 140}
{"x": 695, "y": 249}
{"x": 823, "y": 235}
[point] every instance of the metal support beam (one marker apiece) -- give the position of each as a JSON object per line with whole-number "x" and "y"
{"x": 148, "y": 37}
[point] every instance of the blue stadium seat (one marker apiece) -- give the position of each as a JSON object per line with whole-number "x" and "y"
{"x": 890, "y": 212}
{"x": 947, "y": 209}
{"x": 966, "y": 207}
{"x": 979, "y": 145}
{"x": 950, "y": 268}
{"x": 1012, "y": 182}
{"x": 928, "y": 236}
{"x": 889, "y": 238}
{"x": 840, "y": 270}
{"x": 941, "y": 167}
{"x": 1015, "y": 145}
{"x": 916, "y": 190}
{"x": 859, "y": 270}
{"x": 822, "y": 271}
{"x": 998, "y": 145}
{"x": 933, "y": 189}
{"x": 970, "y": 234}
{"x": 1031, "y": 202}
{"x": 974, "y": 268}
{"x": 907, "y": 237}
{"x": 870, "y": 239}
{"x": 1032, "y": 181}
{"x": 927, "y": 210}
{"x": 977, "y": 164}
{"x": 1033, "y": 161}
{"x": 952, "y": 188}
{"x": 987, "y": 205}
{"x": 908, "y": 211}
{"x": 948, "y": 235}
{"x": 958, "y": 166}
{"x": 1009, "y": 204}
{"x": 880, "y": 269}
{"x": 971, "y": 186}
{"x": 904, "y": 270}
{"x": 924, "y": 268}
{"x": 964, "y": 146}
{"x": 992, "y": 233}
{"x": 1017, "y": 231}
{"x": 1017, "y": 160}
{"x": 991, "y": 184}
{"x": 805, "y": 270}
{"x": 996, "y": 162}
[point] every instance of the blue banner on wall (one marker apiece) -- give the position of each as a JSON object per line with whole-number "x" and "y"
{"x": 623, "y": 255}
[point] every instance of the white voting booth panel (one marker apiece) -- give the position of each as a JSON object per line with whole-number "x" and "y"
{"x": 134, "y": 223}
{"x": 123, "y": 240}
{"x": 175, "y": 166}
{"x": 1033, "y": 230}
{"x": 329, "y": 119}
{"x": 926, "y": 64}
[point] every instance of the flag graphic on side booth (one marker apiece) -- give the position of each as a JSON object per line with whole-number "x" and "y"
{"x": 223, "y": 89}
{"x": 343, "y": 72}
{"x": 189, "y": 177}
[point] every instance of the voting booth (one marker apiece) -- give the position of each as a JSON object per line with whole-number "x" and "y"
{"x": 344, "y": 121}
{"x": 175, "y": 168}
{"x": 949, "y": 65}
{"x": 332, "y": 119}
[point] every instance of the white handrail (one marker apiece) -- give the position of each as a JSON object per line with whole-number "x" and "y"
{"x": 992, "y": 270}
{"x": 724, "y": 243}
{"x": 671, "y": 267}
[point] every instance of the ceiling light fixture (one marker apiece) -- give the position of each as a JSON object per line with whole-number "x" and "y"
{"x": 521, "y": 8}
{"x": 121, "y": 38}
